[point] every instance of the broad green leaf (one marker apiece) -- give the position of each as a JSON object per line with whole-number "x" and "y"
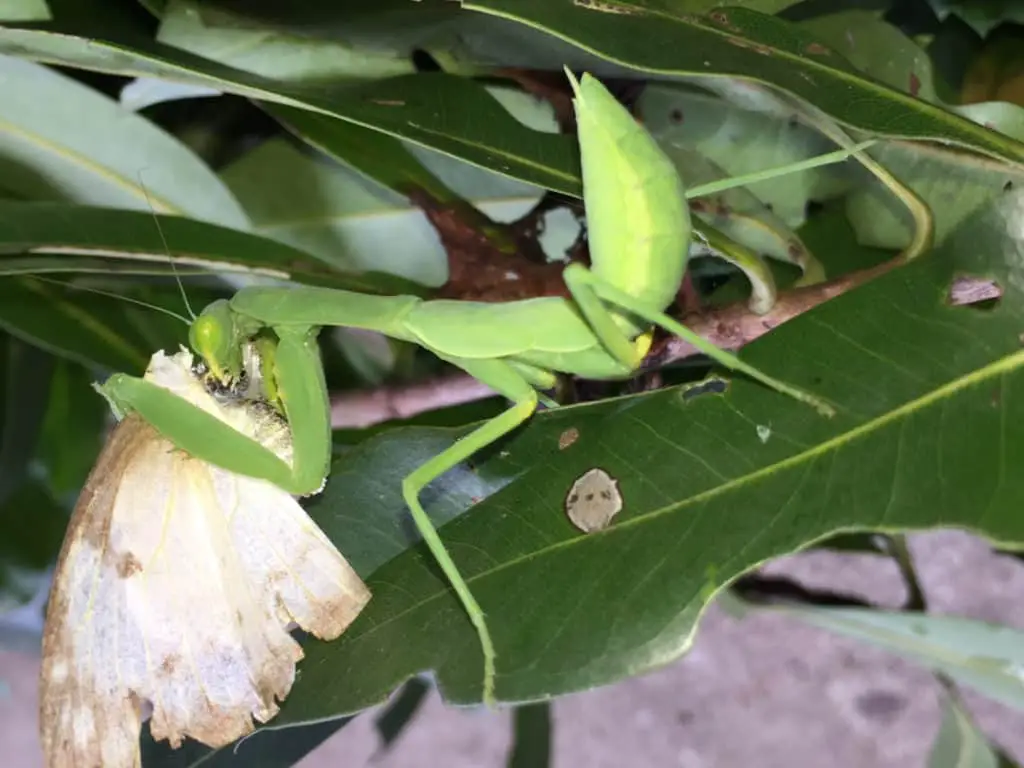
{"x": 882, "y": 51}
{"x": 742, "y": 43}
{"x": 959, "y": 743}
{"x": 60, "y": 237}
{"x": 924, "y": 391}
{"x": 987, "y": 657}
{"x": 221, "y": 35}
{"x": 61, "y": 140}
{"x": 878, "y": 49}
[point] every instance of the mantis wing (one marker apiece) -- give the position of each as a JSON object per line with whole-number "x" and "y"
{"x": 175, "y": 586}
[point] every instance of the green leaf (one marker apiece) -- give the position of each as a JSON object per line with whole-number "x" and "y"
{"x": 925, "y": 392}
{"x": 71, "y": 435}
{"x": 400, "y": 711}
{"x": 267, "y": 748}
{"x": 93, "y": 330}
{"x": 25, "y": 10}
{"x": 955, "y": 186}
{"x": 378, "y": 156}
{"x": 26, "y": 374}
{"x": 959, "y": 743}
{"x": 531, "y": 736}
{"x": 103, "y": 155}
{"x": 31, "y": 529}
{"x": 742, "y": 43}
{"x": 987, "y": 657}
{"x": 983, "y": 17}
{"x": 59, "y": 235}
{"x": 273, "y": 50}
{"x": 882, "y": 51}
{"x": 451, "y": 114}
{"x": 337, "y": 214}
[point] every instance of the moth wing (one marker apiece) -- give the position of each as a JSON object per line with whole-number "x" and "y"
{"x": 174, "y": 587}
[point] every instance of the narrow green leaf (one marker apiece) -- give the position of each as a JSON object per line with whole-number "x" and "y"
{"x": 92, "y": 330}
{"x": 223, "y": 35}
{"x": 331, "y": 211}
{"x": 32, "y": 526}
{"x": 959, "y": 743}
{"x": 27, "y": 373}
{"x": 531, "y": 736}
{"x": 400, "y": 711}
{"x": 381, "y": 157}
{"x": 71, "y": 435}
{"x": 25, "y": 10}
{"x": 267, "y": 748}
{"x": 103, "y": 155}
{"x": 986, "y": 657}
{"x": 58, "y": 235}
{"x": 450, "y": 114}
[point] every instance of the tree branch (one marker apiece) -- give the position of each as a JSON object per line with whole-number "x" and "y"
{"x": 729, "y": 327}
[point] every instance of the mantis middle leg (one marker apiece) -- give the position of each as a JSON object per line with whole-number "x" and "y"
{"x": 506, "y": 380}
{"x": 589, "y": 290}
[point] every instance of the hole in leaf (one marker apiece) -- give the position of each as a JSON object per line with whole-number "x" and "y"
{"x": 975, "y": 292}
{"x": 424, "y": 62}
{"x": 709, "y": 387}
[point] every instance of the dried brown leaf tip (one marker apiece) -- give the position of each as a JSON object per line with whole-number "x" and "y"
{"x": 174, "y": 591}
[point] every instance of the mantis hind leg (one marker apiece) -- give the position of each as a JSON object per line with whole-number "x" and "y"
{"x": 503, "y": 378}
{"x": 589, "y": 290}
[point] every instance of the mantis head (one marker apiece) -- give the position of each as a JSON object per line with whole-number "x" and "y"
{"x": 217, "y": 338}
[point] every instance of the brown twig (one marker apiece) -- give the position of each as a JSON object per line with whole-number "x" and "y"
{"x": 479, "y": 270}
{"x": 364, "y": 408}
{"x": 734, "y": 325}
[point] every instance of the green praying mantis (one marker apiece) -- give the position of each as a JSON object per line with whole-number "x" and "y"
{"x": 639, "y": 233}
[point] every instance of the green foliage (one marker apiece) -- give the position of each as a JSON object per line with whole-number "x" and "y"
{"x": 396, "y": 109}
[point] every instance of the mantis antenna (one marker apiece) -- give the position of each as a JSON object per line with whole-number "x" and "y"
{"x": 167, "y": 248}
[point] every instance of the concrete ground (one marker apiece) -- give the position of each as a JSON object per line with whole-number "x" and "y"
{"x": 762, "y": 692}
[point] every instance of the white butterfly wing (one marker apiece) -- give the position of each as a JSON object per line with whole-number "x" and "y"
{"x": 174, "y": 587}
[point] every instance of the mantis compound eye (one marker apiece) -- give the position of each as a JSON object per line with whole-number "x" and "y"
{"x": 213, "y": 338}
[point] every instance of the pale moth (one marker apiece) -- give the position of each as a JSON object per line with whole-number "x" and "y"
{"x": 175, "y": 587}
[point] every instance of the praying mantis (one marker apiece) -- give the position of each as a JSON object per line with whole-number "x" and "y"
{"x": 639, "y": 234}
